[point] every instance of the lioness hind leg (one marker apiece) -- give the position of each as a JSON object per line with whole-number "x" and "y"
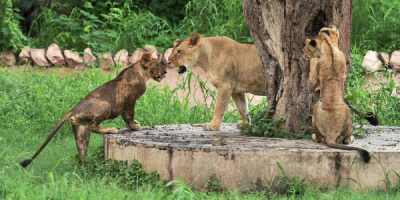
{"x": 242, "y": 105}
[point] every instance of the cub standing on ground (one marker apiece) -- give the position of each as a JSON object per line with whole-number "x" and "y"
{"x": 331, "y": 120}
{"x": 114, "y": 98}
{"x": 233, "y": 68}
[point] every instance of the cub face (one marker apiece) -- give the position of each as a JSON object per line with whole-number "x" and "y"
{"x": 312, "y": 48}
{"x": 153, "y": 68}
{"x": 184, "y": 53}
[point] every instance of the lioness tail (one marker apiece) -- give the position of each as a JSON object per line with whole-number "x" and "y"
{"x": 53, "y": 132}
{"x": 364, "y": 153}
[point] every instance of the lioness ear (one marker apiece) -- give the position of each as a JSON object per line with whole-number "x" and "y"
{"x": 146, "y": 57}
{"x": 313, "y": 43}
{"x": 194, "y": 39}
{"x": 177, "y": 41}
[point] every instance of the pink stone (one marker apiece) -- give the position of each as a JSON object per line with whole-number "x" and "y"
{"x": 395, "y": 60}
{"x": 73, "y": 59}
{"x": 54, "y": 55}
{"x": 371, "y": 62}
{"x": 137, "y": 54}
{"x": 121, "y": 57}
{"x": 106, "y": 61}
{"x": 89, "y": 58}
{"x": 384, "y": 57}
{"x": 39, "y": 57}
{"x": 25, "y": 56}
{"x": 7, "y": 59}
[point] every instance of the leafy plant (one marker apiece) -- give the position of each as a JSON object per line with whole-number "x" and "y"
{"x": 213, "y": 186}
{"x": 291, "y": 185}
{"x": 261, "y": 125}
{"x": 11, "y": 37}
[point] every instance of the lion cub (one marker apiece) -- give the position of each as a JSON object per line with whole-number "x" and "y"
{"x": 114, "y": 98}
{"x": 331, "y": 118}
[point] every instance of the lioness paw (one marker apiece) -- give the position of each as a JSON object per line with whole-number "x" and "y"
{"x": 241, "y": 123}
{"x": 112, "y": 131}
{"x": 209, "y": 127}
{"x": 135, "y": 127}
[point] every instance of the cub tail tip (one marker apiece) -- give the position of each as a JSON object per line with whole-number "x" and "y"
{"x": 365, "y": 155}
{"x": 26, "y": 162}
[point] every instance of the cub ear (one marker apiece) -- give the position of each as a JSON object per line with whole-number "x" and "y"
{"x": 194, "y": 40}
{"x": 177, "y": 41}
{"x": 146, "y": 57}
{"x": 326, "y": 32}
{"x": 313, "y": 43}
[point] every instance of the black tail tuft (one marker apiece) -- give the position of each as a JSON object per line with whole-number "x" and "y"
{"x": 365, "y": 155}
{"x": 373, "y": 119}
{"x": 26, "y": 162}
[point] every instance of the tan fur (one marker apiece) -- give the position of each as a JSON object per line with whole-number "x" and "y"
{"x": 114, "y": 98}
{"x": 331, "y": 120}
{"x": 233, "y": 68}
{"x": 334, "y": 38}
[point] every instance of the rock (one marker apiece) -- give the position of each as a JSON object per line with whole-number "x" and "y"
{"x": 73, "y": 59}
{"x": 25, "y": 56}
{"x": 121, "y": 57}
{"x": 395, "y": 60}
{"x": 371, "y": 62}
{"x": 384, "y": 57}
{"x": 7, "y": 59}
{"x": 54, "y": 55}
{"x": 137, "y": 54}
{"x": 106, "y": 61}
{"x": 89, "y": 58}
{"x": 39, "y": 57}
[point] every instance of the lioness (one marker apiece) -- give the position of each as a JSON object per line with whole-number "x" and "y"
{"x": 333, "y": 33}
{"x": 233, "y": 68}
{"x": 331, "y": 120}
{"x": 108, "y": 101}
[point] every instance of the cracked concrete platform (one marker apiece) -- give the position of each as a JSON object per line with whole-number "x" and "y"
{"x": 250, "y": 163}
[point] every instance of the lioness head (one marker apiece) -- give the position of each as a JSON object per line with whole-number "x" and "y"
{"x": 184, "y": 53}
{"x": 332, "y": 32}
{"x": 153, "y": 68}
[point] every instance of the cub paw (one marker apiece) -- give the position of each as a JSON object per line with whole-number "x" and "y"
{"x": 314, "y": 138}
{"x": 349, "y": 140}
{"x": 135, "y": 127}
{"x": 209, "y": 127}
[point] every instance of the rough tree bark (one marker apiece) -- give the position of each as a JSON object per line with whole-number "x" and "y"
{"x": 279, "y": 29}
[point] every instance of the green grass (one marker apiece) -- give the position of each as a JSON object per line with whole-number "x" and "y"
{"x": 31, "y": 103}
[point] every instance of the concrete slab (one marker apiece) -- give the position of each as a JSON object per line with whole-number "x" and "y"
{"x": 250, "y": 163}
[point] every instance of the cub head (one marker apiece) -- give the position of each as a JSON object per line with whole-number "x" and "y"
{"x": 153, "y": 68}
{"x": 332, "y": 32}
{"x": 313, "y": 47}
{"x": 185, "y": 53}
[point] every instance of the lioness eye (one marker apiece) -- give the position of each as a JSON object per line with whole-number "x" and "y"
{"x": 158, "y": 65}
{"x": 179, "y": 51}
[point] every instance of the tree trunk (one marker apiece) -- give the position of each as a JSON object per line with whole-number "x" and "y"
{"x": 279, "y": 29}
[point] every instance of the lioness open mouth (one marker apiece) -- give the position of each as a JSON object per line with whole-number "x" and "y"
{"x": 181, "y": 70}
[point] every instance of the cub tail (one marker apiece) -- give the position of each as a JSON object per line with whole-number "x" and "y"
{"x": 51, "y": 135}
{"x": 364, "y": 153}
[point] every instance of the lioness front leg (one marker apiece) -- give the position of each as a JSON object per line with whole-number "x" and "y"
{"x": 223, "y": 96}
{"x": 242, "y": 105}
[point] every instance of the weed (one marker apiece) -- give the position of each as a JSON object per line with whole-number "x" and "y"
{"x": 213, "y": 186}
{"x": 263, "y": 126}
{"x": 291, "y": 185}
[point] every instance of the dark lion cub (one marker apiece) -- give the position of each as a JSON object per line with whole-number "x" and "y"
{"x": 114, "y": 98}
